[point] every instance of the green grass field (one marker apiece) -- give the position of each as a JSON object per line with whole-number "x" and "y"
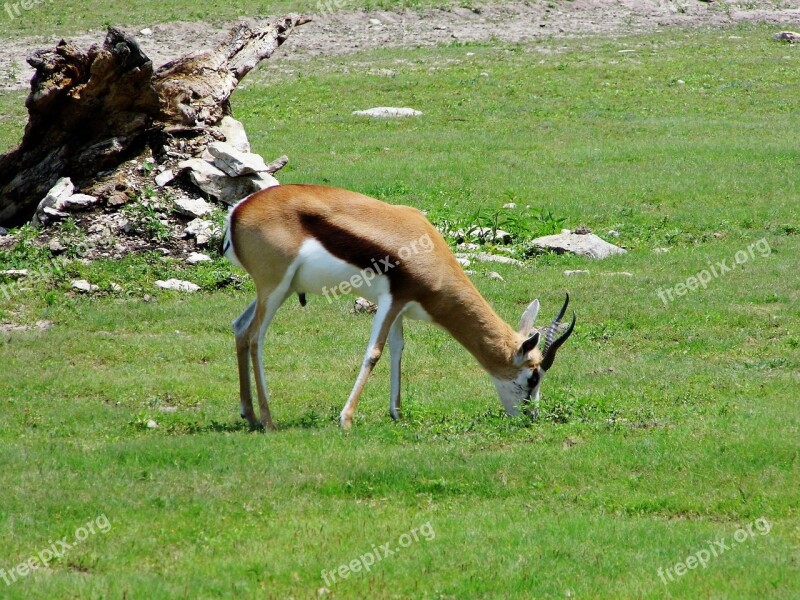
{"x": 664, "y": 426}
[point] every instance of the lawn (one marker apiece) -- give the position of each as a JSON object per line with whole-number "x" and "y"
{"x": 665, "y": 459}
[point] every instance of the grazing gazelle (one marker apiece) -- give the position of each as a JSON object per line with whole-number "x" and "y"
{"x": 314, "y": 239}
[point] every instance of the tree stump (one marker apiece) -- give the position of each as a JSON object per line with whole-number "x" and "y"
{"x": 91, "y": 110}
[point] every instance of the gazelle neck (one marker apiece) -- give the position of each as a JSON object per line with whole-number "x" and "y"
{"x": 469, "y": 318}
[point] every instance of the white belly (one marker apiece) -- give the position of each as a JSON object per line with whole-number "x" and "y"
{"x": 320, "y": 272}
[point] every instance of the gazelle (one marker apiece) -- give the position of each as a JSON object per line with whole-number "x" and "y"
{"x": 314, "y": 239}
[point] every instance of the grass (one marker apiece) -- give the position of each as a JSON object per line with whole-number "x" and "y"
{"x": 664, "y": 425}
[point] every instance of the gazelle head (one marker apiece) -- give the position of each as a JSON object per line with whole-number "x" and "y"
{"x": 521, "y": 392}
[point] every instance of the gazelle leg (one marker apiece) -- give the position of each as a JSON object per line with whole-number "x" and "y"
{"x": 240, "y": 328}
{"x": 264, "y": 313}
{"x": 396, "y": 344}
{"x": 388, "y": 311}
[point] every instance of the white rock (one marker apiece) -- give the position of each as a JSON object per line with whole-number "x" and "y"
{"x": 506, "y": 260}
{"x": 576, "y": 272}
{"x": 619, "y": 273}
{"x": 62, "y": 189}
{"x": 177, "y": 285}
{"x": 234, "y": 162}
{"x": 362, "y": 305}
{"x": 146, "y": 31}
{"x": 510, "y": 205}
{"x": 261, "y": 181}
{"x": 374, "y": 22}
{"x": 585, "y": 244}
{"x": 613, "y": 233}
{"x": 193, "y": 207}
{"x": 15, "y": 273}
{"x": 164, "y": 177}
{"x": 115, "y": 287}
{"x": 464, "y": 261}
{"x": 486, "y": 234}
{"x": 226, "y": 189}
{"x": 76, "y": 202}
{"x": 152, "y": 424}
{"x": 201, "y": 230}
{"x": 197, "y": 257}
{"x": 495, "y": 275}
{"x": 234, "y": 134}
{"x": 660, "y": 250}
{"x": 468, "y": 246}
{"x": 83, "y": 286}
{"x": 387, "y": 112}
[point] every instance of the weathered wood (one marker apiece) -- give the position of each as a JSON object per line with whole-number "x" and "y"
{"x": 89, "y": 111}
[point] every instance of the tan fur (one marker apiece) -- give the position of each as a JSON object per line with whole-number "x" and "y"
{"x": 267, "y": 231}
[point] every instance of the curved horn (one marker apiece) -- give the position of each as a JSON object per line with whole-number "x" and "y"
{"x": 550, "y": 353}
{"x": 551, "y": 329}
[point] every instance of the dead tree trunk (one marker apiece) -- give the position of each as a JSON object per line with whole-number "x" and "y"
{"x": 89, "y": 111}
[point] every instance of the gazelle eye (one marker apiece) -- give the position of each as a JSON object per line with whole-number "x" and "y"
{"x": 533, "y": 379}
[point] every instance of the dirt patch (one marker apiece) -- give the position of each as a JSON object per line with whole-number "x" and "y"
{"x": 350, "y": 32}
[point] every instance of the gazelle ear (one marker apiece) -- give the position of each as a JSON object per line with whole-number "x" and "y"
{"x": 528, "y": 345}
{"x": 528, "y": 317}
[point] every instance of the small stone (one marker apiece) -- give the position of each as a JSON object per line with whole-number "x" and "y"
{"x": 152, "y": 424}
{"x": 76, "y": 202}
{"x": 387, "y": 112}
{"x": 56, "y": 247}
{"x": 787, "y": 36}
{"x": 613, "y": 233}
{"x": 234, "y": 133}
{"x": 469, "y": 246}
{"x": 362, "y": 305}
{"x": 164, "y": 177}
{"x": 197, "y": 257}
{"x": 202, "y": 231}
{"x": 177, "y": 285}
{"x": 463, "y": 261}
{"x": 375, "y": 22}
{"x": 115, "y": 287}
{"x": 146, "y": 32}
{"x": 619, "y": 273}
{"x": 495, "y": 275}
{"x": 506, "y": 260}
{"x": 15, "y": 273}
{"x": 582, "y": 244}
{"x": 680, "y": 82}
{"x": 576, "y": 272}
{"x": 193, "y": 207}
{"x": 118, "y": 199}
{"x": 660, "y": 250}
{"x": 168, "y": 409}
{"x": 234, "y": 162}
{"x": 49, "y": 208}
{"x": 510, "y": 205}
{"x": 719, "y": 235}
{"x": 147, "y": 298}
{"x": 3, "y": 231}
{"x": 83, "y": 286}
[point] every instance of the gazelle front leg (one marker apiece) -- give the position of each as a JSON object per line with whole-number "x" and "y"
{"x": 396, "y": 344}
{"x": 388, "y": 311}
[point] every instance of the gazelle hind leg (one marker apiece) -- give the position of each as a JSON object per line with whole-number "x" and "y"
{"x": 241, "y": 328}
{"x": 388, "y": 310}
{"x": 264, "y": 312}
{"x": 396, "y": 344}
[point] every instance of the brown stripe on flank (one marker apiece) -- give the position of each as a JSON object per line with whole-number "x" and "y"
{"x": 358, "y": 251}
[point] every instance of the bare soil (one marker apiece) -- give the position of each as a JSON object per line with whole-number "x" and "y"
{"x": 348, "y": 32}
